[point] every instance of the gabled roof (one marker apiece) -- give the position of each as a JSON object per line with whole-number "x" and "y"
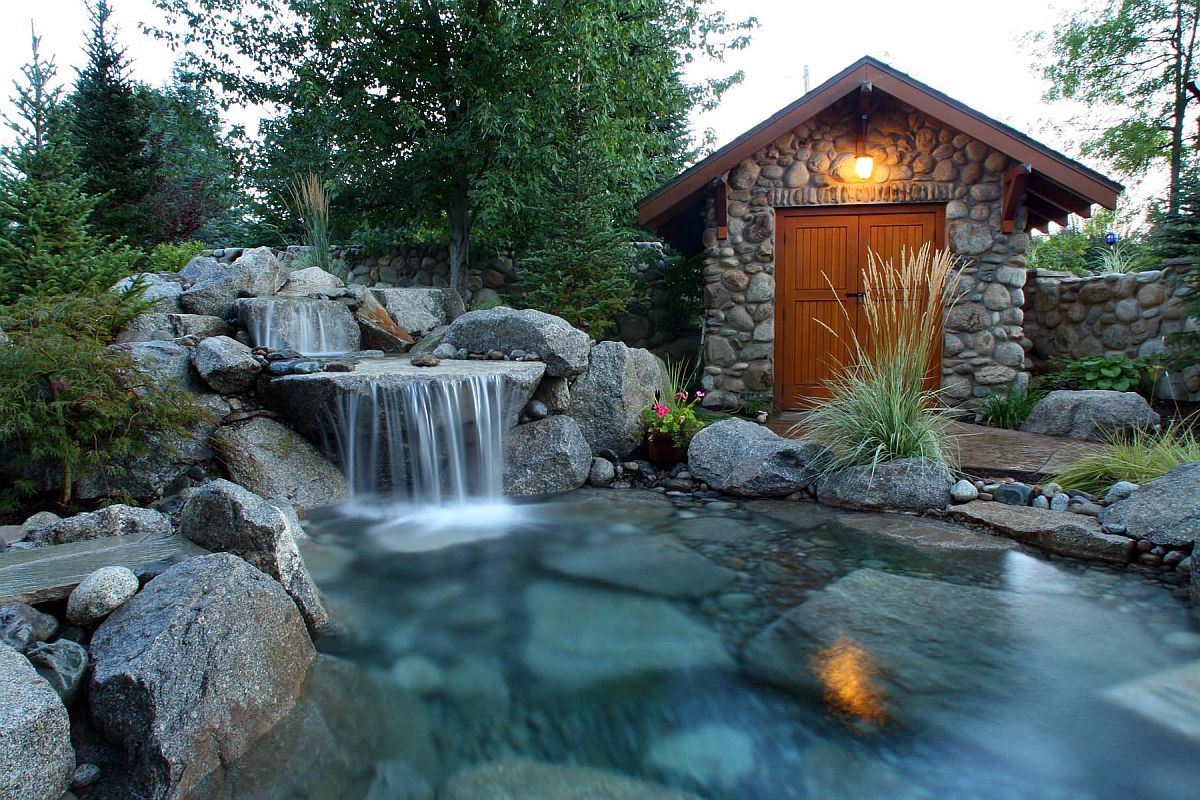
{"x": 1057, "y": 185}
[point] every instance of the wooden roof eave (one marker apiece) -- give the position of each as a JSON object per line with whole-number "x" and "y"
{"x": 1084, "y": 186}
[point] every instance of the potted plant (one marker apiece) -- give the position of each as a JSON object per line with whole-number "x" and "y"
{"x": 670, "y": 425}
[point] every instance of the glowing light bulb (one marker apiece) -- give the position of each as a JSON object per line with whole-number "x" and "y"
{"x": 864, "y": 166}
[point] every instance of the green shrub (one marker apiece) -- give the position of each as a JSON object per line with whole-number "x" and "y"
{"x": 1139, "y": 456}
{"x": 1065, "y": 251}
{"x": 1116, "y": 373}
{"x": 879, "y": 409}
{"x": 484, "y": 305}
{"x": 1008, "y": 409}
{"x": 174, "y": 256}
{"x": 69, "y": 402}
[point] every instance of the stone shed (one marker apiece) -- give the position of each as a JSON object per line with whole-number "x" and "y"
{"x": 784, "y": 216}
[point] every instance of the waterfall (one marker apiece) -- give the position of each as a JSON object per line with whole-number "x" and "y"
{"x": 432, "y": 442}
{"x": 310, "y": 327}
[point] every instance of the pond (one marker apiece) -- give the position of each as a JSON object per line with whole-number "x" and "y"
{"x": 760, "y": 650}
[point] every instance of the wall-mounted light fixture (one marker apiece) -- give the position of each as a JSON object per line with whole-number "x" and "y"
{"x": 864, "y": 165}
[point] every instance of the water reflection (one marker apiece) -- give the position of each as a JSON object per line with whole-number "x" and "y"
{"x": 848, "y": 674}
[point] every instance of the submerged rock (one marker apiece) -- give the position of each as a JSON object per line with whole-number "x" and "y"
{"x": 1166, "y": 511}
{"x": 549, "y": 456}
{"x": 715, "y": 756}
{"x": 608, "y": 398}
{"x": 563, "y": 348}
{"x": 223, "y": 516}
{"x": 531, "y": 780}
{"x": 36, "y": 757}
{"x": 911, "y": 484}
{"x": 1092, "y": 415}
{"x": 188, "y": 674}
{"x": 275, "y": 462}
{"x": 581, "y": 636}
{"x": 749, "y": 460}
{"x": 657, "y": 565}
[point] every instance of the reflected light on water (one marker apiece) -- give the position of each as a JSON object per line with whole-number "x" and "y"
{"x": 848, "y": 673}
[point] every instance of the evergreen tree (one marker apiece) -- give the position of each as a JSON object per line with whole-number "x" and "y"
{"x": 46, "y": 243}
{"x": 110, "y": 129}
{"x": 1176, "y": 234}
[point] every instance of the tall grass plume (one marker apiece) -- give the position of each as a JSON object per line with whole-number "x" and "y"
{"x": 310, "y": 200}
{"x": 879, "y": 408}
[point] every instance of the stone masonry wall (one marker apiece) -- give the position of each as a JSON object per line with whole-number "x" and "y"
{"x": 918, "y": 160}
{"x": 1069, "y": 316}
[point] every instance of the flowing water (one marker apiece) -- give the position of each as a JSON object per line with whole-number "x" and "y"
{"x": 304, "y": 325}
{"x": 637, "y": 633}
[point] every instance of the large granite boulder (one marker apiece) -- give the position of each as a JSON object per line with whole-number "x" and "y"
{"x": 222, "y": 516}
{"x": 36, "y": 757}
{"x": 313, "y": 282}
{"x": 162, "y": 290}
{"x": 416, "y": 309}
{"x": 167, "y": 364}
{"x": 202, "y": 268}
{"x": 1075, "y": 535}
{"x": 156, "y": 327}
{"x": 546, "y": 457}
{"x": 741, "y": 458}
{"x": 1166, "y": 511}
{"x": 1093, "y": 415}
{"x": 532, "y": 780}
{"x": 910, "y": 484}
{"x": 256, "y": 273}
{"x": 608, "y": 398}
{"x": 192, "y": 671}
{"x": 303, "y": 324}
{"x": 225, "y": 364}
{"x": 114, "y": 520}
{"x": 275, "y": 462}
{"x": 563, "y": 348}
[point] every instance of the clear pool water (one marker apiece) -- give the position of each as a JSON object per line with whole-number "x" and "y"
{"x": 766, "y": 650}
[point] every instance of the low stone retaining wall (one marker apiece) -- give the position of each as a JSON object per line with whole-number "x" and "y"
{"x": 1068, "y": 316}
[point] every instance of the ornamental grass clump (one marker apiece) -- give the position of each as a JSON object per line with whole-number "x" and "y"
{"x": 310, "y": 199}
{"x": 1138, "y": 456}
{"x": 879, "y": 409}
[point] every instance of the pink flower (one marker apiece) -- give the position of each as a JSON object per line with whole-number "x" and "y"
{"x": 661, "y": 410}
{"x": 681, "y": 395}
{"x": 699, "y": 394}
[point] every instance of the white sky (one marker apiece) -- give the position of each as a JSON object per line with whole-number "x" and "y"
{"x": 969, "y": 49}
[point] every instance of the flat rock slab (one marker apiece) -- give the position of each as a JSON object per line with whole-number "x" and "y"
{"x": 1169, "y": 699}
{"x": 922, "y": 532}
{"x": 657, "y": 565}
{"x": 1060, "y": 532}
{"x": 51, "y": 572}
{"x": 581, "y": 637}
{"x": 303, "y": 399}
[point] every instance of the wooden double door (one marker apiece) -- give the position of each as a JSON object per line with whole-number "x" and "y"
{"x": 820, "y": 259}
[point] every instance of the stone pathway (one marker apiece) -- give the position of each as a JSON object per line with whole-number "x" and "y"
{"x": 986, "y": 452}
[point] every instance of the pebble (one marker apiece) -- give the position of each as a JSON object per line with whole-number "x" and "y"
{"x": 1087, "y": 509}
{"x": 1183, "y": 640}
{"x": 1041, "y": 502}
{"x": 85, "y": 775}
{"x": 720, "y": 505}
{"x": 1119, "y": 491}
{"x": 418, "y": 675}
{"x": 1144, "y": 545}
{"x": 737, "y": 601}
{"x": 1051, "y": 489}
{"x": 964, "y": 492}
{"x": 1060, "y": 501}
{"x": 1013, "y": 494}
{"x": 1149, "y": 559}
{"x": 425, "y": 360}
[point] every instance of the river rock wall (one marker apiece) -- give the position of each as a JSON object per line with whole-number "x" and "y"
{"x": 1069, "y": 316}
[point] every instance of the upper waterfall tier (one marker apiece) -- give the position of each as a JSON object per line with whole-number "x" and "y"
{"x": 307, "y": 325}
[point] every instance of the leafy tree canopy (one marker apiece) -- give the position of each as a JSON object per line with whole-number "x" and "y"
{"x": 454, "y": 111}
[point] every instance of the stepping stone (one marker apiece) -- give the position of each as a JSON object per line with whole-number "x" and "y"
{"x": 1076, "y": 535}
{"x": 919, "y": 532}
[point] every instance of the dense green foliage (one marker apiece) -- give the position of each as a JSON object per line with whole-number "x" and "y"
{"x": 110, "y": 131}
{"x": 1115, "y": 373}
{"x": 1139, "y": 456}
{"x": 174, "y": 256}
{"x": 1008, "y": 409}
{"x": 456, "y": 115}
{"x": 67, "y": 401}
{"x": 1129, "y": 63}
{"x": 1080, "y": 247}
{"x": 47, "y": 244}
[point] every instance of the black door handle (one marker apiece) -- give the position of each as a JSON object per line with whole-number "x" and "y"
{"x": 857, "y": 295}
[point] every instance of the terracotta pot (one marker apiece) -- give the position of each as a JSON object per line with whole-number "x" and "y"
{"x": 662, "y": 452}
